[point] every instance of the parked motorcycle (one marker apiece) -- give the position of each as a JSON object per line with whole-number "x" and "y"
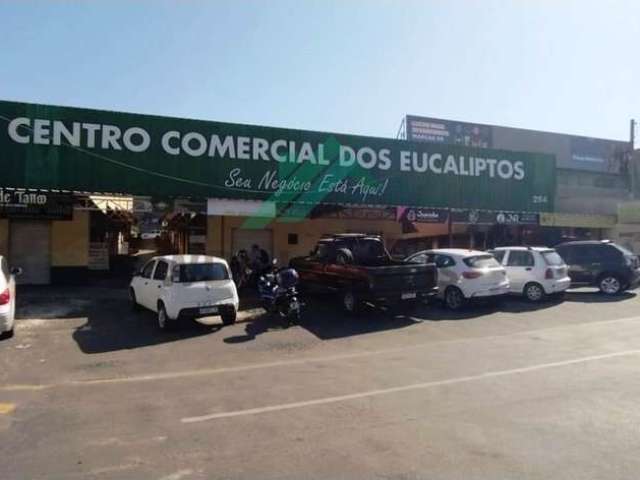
{"x": 278, "y": 294}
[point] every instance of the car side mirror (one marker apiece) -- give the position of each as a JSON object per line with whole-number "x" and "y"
{"x": 17, "y": 271}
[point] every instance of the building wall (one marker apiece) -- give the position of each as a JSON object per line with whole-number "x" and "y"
{"x": 578, "y": 183}
{"x": 308, "y": 233}
{"x": 70, "y": 249}
{"x": 4, "y": 237}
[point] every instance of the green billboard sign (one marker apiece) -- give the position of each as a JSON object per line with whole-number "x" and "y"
{"x": 62, "y": 148}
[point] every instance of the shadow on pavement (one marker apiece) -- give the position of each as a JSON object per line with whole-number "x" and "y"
{"x": 110, "y": 322}
{"x": 120, "y": 330}
{"x": 253, "y": 328}
{"x": 435, "y": 311}
{"x": 323, "y": 317}
{"x": 595, "y": 296}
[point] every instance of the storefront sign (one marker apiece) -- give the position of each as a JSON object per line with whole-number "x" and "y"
{"x": 99, "y": 151}
{"x": 422, "y": 215}
{"x": 479, "y": 217}
{"x": 577, "y": 220}
{"x": 35, "y": 204}
{"x": 629, "y": 212}
{"x": 241, "y": 208}
{"x": 98, "y": 256}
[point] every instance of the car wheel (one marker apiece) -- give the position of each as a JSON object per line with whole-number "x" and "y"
{"x": 134, "y": 301}
{"x": 533, "y": 292}
{"x": 454, "y": 298}
{"x": 7, "y": 334}
{"x": 164, "y": 322}
{"x": 350, "y": 302}
{"x": 610, "y": 285}
{"x": 229, "y": 318}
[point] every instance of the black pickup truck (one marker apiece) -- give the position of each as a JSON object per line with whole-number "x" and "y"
{"x": 359, "y": 268}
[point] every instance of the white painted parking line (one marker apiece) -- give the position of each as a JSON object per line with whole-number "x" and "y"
{"x": 405, "y": 388}
{"x": 289, "y": 362}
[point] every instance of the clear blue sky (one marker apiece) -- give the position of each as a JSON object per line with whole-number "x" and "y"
{"x": 346, "y": 66}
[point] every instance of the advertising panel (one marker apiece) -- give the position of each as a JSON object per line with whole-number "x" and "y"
{"x": 421, "y": 129}
{"x": 600, "y": 155}
{"x": 100, "y": 151}
{"x": 571, "y": 151}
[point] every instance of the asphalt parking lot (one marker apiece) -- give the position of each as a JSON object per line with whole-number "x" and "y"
{"x": 90, "y": 389}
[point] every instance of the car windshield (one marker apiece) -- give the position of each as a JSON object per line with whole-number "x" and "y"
{"x": 481, "y": 261}
{"x": 552, "y": 257}
{"x": 203, "y": 272}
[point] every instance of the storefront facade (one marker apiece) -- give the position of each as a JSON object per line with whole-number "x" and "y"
{"x": 282, "y": 189}
{"x": 593, "y": 177}
{"x": 45, "y": 234}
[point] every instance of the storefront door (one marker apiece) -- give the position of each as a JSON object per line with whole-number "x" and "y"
{"x": 244, "y": 238}
{"x": 29, "y": 249}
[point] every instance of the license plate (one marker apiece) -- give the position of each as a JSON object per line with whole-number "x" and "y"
{"x": 407, "y": 295}
{"x": 209, "y": 310}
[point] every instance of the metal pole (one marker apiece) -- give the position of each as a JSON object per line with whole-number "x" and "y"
{"x": 631, "y": 168}
{"x": 450, "y": 230}
{"x": 222, "y": 236}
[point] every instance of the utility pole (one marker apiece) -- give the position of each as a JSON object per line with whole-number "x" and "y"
{"x": 450, "y": 229}
{"x": 631, "y": 168}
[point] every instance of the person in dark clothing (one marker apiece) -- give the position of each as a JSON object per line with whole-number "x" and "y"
{"x": 260, "y": 259}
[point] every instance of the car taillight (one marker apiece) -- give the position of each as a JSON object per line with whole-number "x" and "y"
{"x": 548, "y": 274}
{"x": 5, "y": 297}
{"x": 471, "y": 274}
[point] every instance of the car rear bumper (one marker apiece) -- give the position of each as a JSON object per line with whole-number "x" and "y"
{"x": 501, "y": 289}
{"x": 6, "y": 320}
{"x": 208, "y": 311}
{"x": 557, "y": 286}
{"x": 390, "y": 298}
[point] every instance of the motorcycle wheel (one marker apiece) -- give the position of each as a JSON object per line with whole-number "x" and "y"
{"x": 294, "y": 318}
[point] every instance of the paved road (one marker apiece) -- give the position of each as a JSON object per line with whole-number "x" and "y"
{"x": 89, "y": 389}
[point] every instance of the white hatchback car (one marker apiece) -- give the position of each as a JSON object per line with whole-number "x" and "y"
{"x": 534, "y": 271}
{"x": 7, "y": 297}
{"x": 465, "y": 274}
{"x": 185, "y": 287}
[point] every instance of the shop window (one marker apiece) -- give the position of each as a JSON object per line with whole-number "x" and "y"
{"x": 292, "y": 239}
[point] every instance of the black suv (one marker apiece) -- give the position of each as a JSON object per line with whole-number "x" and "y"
{"x": 602, "y": 264}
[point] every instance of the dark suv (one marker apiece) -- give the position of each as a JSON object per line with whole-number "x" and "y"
{"x": 601, "y": 264}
